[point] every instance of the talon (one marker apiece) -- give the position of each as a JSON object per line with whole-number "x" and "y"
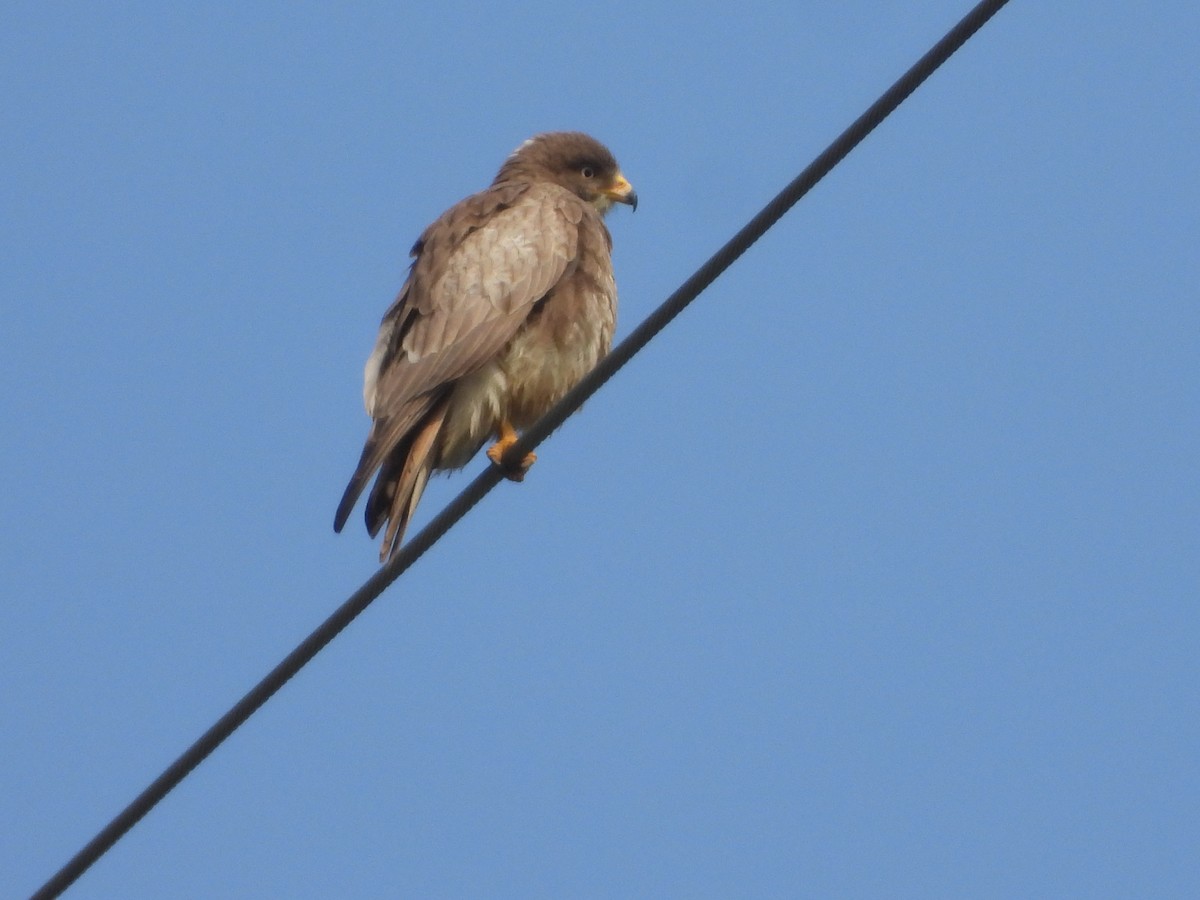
{"x": 514, "y": 473}
{"x": 496, "y": 452}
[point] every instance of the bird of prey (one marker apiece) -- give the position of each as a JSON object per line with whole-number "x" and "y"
{"x": 509, "y": 302}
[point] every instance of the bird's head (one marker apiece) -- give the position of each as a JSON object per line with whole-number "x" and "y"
{"x": 575, "y": 161}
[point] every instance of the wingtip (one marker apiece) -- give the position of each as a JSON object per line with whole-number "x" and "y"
{"x": 367, "y": 463}
{"x": 349, "y": 498}
{"x": 342, "y": 515}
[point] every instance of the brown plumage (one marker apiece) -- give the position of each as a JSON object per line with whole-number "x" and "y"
{"x": 509, "y": 302}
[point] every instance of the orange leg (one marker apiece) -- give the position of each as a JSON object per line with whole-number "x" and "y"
{"x": 507, "y": 437}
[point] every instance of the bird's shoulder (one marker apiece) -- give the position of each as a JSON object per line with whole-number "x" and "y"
{"x": 502, "y": 207}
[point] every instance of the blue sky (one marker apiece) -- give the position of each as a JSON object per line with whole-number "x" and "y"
{"x": 875, "y": 575}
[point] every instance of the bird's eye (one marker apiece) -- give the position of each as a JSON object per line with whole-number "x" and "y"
{"x": 589, "y": 172}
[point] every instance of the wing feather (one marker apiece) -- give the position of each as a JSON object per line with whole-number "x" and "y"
{"x": 481, "y": 295}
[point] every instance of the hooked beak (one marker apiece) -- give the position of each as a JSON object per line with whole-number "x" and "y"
{"x": 621, "y": 191}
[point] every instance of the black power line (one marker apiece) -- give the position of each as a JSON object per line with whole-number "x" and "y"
{"x": 486, "y": 480}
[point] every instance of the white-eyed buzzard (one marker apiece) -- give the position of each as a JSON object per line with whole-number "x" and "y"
{"x": 509, "y": 302}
